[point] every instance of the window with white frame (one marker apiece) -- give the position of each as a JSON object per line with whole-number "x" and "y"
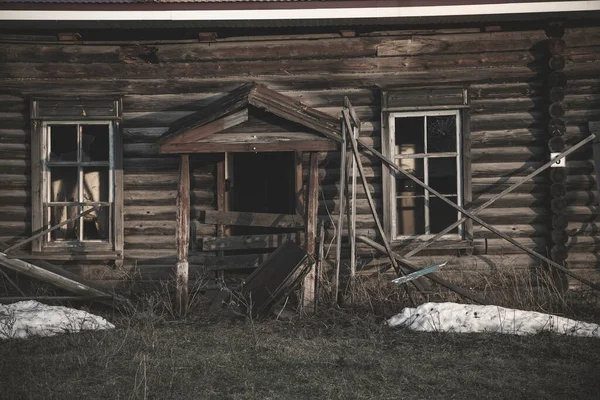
{"x": 428, "y": 145}
{"x": 77, "y": 177}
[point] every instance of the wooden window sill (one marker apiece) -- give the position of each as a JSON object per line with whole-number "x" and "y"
{"x": 66, "y": 255}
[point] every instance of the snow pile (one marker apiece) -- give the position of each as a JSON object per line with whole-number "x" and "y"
{"x": 32, "y": 318}
{"x": 466, "y": 318}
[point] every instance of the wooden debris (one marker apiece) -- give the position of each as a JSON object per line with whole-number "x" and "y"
{"x": 253, "y": 219}
{"x": 433, "y": 277}
{"x": 277, "y": 276}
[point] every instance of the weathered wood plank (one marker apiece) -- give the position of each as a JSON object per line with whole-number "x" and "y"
{"x": 245, "y": 242}
{"x": 182, "y": 235}
{"x": 309, "y": 285}
{"x": 208, "y": 129}
{"x": 253, "y": 219}
{"x": 208, "y": 147}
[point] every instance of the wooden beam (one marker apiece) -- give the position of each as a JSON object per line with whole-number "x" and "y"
{"x": 213, "y": 127}
{"x": 51, "y": 277}
{"x": 299, "y": 185}
{"x": 308, "y": 297}
{"x": 496, "y": 231}
{"x": 209, "y": 147}
{"x": 433, "y": 277}
{"x": 292, "y": 110}
{"x": 246, "y": 242}
{"x": 53, "y": 298}
{"x": 474, "y": 211}
{"x": 361, "y": 172}
{"x": 51, "y": 229}
{"x": 234, "y": 101}
{"x": 340, "y": 222}
{"x": 182, "y": 235}
{"x": 595, "y": 130}
{"x": 253, "y": 219}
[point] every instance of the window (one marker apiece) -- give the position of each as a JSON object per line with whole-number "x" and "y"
{"x": 426, "y": 144}
{"x": 77, "y": 177}
{"x": 424, "y": 133}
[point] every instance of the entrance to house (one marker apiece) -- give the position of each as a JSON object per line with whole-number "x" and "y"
{"x": 261, "y": 183}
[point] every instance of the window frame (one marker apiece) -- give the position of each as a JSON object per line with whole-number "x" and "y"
{"x": 47, "y": 202}
{"x": 463, "y": 168}
{"x": 48, "y": 112}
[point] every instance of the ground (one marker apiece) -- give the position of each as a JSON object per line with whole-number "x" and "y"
{"x": 335, "y": 355}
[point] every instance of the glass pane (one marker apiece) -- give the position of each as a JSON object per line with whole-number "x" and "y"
{"x": 95, "y": 184}
{"x": 70, "y": 230}
{"x": 410, "y": 214}
{"x": 410, "y": 135}
{"x": 96, "y": 224}
{"x": 94, "y": 143}
{"x": 63, "y": 143}
{"x": 63, "y": 182}
{"x": 441, "y": 134}
{"x": 441, "y": 215}
{"x": 405, "y": 186}
{"x": 442, "y": 175}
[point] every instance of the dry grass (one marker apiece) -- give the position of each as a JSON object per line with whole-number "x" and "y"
{"x": 339, "y": 353}
{"x": 336, "y": 355}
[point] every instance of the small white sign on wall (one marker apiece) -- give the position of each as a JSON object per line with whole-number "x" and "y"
{"x": 560, "y": 163}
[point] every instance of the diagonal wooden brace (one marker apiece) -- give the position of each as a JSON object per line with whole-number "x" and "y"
{"x": 471, "y": 215}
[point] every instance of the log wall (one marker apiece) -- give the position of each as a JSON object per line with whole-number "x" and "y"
{"x": 507, "y": 76}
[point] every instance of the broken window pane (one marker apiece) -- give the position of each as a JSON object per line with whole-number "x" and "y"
{"x": 63, "y": 143}
{"x": 410, "y": 135}
{"x": 69, "y": 231}
{"x": 441, "y": 134}
{"x": 63, "y": 184}
{"x": 94, "y": 143}
{"x": 96, "y": 224}
{"x": 95, "y": 184}
{"x": 441, "y": 215}
{"x": 404, "y": 185}
{"x": 410, "y": 214}
{"x": 442, "y": 175}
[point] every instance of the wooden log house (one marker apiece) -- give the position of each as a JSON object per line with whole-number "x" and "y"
{"x": 204, "y": 141}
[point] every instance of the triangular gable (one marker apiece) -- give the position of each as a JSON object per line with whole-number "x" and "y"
{"x": 196, "y": 132}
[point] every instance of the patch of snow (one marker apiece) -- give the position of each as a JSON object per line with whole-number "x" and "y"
{"x": 32, "y": 318}
{"x": 467, "y": 318}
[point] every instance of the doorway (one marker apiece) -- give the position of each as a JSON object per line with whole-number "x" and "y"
{"x": 262, "y": 183}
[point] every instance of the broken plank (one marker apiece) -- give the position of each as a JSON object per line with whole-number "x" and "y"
{"x": 253, "y": 219}
{"x": 249, "y": 241}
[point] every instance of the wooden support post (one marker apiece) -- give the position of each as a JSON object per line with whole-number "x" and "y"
{"x": 308, "y": 298}
{"x": 595, "y": 130}
{"x": 182, "y": 235}
{"x": 352, "y": 207}
{"x": 221, "y": 205}
{"x": 300, "y": 210}
{"x": 361, "y": 172}
{"x": 340, "y": 223}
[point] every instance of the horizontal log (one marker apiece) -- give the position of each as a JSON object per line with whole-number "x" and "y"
{"x": 517, "y": 230}
{"x": 463, "y": 43}
{"x": 152, "y": 85}
{"x": 253, "y": 219}
{"x": 509, "y": 154}
{"x": 249, "y": 241}
{"x": 195, "y": 101}
{"x": 24, "y": 70}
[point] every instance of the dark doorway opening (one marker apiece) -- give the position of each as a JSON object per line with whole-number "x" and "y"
{"x": 262, "y": 183}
